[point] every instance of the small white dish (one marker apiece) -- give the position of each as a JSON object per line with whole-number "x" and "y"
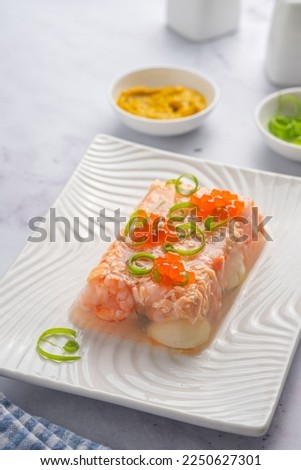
{"x": 264, "y": 111}
{"x": 161, "y": 77}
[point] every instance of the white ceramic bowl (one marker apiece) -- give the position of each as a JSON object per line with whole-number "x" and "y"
{"x": 160, "y": 77}
{"x": 264, "y": 111}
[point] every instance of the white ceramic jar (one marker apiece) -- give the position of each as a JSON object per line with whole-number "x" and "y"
{"x": 283, "y": 54}
{"x": 199, "y": 20}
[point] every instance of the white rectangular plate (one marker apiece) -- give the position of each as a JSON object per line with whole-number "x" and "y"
{"x": 234, "y": 385}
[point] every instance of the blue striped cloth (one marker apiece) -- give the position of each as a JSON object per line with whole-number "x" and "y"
{"x": 19, "y": 430}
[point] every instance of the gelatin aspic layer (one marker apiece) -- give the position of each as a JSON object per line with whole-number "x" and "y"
{"x": 182, "y": 251}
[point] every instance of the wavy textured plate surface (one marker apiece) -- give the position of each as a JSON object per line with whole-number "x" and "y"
{"x": 234, "y": 385}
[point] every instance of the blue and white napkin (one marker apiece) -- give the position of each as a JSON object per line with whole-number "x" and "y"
{"x": 19, "y": 430}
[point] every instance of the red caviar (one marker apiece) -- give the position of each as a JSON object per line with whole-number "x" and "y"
{"x": 169, "y": 270}
{"x": 219, "y": 203}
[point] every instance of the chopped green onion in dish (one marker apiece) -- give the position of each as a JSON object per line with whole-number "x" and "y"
{"x": 289, "y": 106}
{"x": 135, "y": 267}
{"x": 70, "y": 347}
{"x": 286, "y": 123}
{"x": 297, "y": 140}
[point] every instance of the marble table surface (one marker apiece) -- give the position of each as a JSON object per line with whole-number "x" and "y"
{"x": 57, "y": 60}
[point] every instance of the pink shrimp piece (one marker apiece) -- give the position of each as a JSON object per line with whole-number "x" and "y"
{"x": 108, "y": 292}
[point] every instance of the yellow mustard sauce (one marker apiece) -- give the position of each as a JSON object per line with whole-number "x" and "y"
{"x": 162, "y": 103}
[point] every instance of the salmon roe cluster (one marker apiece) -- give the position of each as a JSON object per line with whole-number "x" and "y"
{"x": 218, "y": 203}
{"x": 170, "y": 271}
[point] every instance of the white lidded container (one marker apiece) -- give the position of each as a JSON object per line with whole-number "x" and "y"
{"x": 283, "y": 54}
{"x": 199, "y": 20}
